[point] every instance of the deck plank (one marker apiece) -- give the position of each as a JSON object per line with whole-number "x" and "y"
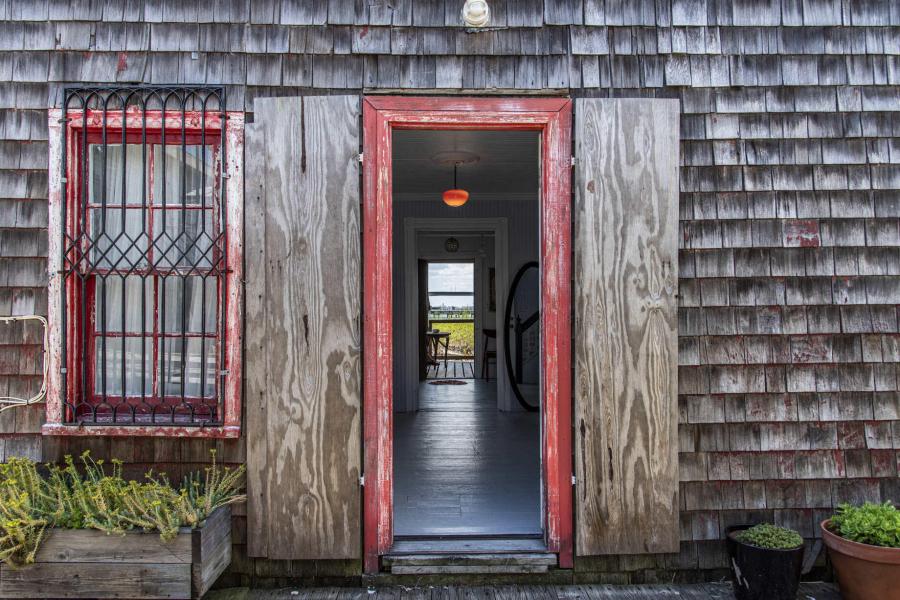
{"x": 454, "y": 369}
{"x": 700, "y": 591}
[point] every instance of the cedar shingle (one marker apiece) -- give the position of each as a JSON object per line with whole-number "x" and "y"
{"x": 589, "y": 40}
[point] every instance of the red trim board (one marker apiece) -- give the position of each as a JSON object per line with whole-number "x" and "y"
{"x": 553, "y": 118}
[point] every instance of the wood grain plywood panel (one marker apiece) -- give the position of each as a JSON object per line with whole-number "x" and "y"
{"x": 304, "y": 383}
{"x": 626, "y": 219}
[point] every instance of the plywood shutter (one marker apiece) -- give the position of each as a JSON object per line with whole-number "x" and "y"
{"x": 302, "y": 328}
{"x": 625, "y": 345}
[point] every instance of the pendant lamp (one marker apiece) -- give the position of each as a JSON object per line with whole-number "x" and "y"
{"x": 455, "y": 197}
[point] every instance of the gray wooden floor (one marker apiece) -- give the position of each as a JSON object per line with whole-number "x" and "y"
{"x": 461, "y": 467}
{"x": 708, "y": 591}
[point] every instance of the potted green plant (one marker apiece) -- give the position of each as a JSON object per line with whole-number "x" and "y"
{"x": 766, "y": 561}
{"x": 864, "y": 546}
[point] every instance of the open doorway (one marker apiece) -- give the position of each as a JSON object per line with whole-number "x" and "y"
{"x": 391, "y": 385}
{"x": 447, "y": 321}
{"x": 467, "y": 452}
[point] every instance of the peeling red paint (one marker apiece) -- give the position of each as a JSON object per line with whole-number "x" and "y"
{"x": 803, "y": 234}
{"x": 884, "y": 462}
{"x": 839, "y": 463}
{"x": 123, "y": 62}
{"x": 551, "y": 116}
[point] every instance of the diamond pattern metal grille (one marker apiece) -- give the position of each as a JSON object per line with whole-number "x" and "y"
{"x": 144, "y": 254}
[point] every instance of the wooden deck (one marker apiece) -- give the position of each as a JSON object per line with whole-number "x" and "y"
{"x": 455, "y": 369}
{"x": 707, "y": 591}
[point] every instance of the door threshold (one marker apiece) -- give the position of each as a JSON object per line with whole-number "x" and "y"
{"x": 468, "y": 545}
{"x": 470, "y": 555}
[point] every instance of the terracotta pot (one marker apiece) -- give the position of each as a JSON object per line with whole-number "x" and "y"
{"x": 762, "y": 573}
{"x": 864, "y": 572}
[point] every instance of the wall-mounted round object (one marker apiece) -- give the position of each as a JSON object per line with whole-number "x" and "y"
{"x": 451, "y": 244}
{"x": 476, "y": 13}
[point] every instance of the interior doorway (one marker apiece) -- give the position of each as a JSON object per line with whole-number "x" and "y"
{"x": 447, "y": 308}
{"x": 406, "y": 434}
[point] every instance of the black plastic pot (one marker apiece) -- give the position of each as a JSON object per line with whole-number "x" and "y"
{"x": 760, "y": 573}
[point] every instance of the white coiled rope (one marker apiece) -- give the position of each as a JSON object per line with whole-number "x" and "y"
{"x": 7, "y": 402}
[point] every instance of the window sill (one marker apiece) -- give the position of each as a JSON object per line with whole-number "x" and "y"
{"x": 220, "y": 431}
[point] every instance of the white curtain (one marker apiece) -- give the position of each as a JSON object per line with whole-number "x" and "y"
{"x": 182, "y": 238}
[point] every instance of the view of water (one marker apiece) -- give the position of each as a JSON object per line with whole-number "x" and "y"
{"x": 451, "y": 277}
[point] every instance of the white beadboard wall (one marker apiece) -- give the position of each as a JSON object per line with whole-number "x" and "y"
{"x": 523, "y": 230}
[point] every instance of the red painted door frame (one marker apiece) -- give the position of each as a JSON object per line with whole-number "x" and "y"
{"x": 553, "y": 118}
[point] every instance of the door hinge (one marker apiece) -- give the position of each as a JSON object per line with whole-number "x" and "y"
{"x": 572, "y": 159}
{"x": 573, "y": 480}
{"x": 362, "y": 479}
{"x": 361, "y": 156}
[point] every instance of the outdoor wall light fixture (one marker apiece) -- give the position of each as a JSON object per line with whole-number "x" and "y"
{"x": 476, "y": 13}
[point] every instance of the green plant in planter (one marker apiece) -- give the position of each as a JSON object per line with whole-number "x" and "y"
{"x": 873, "y": 524}
{"x": 771, "y": 537}
{"x": 88, "y": 496}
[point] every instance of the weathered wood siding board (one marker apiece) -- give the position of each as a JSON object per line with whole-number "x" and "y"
{"x": 256, "y": 354}
{"x": 625, "y": 342}
{"x": 304, "y": 364}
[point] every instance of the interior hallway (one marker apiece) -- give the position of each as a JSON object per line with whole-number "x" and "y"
{"x": 461, "y": 467}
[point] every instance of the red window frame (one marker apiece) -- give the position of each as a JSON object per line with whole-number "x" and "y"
{"x": 228, "y": 287}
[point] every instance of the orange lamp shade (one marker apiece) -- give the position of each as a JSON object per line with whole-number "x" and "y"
{"x": 456, "y": 198}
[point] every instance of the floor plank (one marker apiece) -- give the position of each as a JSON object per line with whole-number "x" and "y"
{"x": 462, "y": 467}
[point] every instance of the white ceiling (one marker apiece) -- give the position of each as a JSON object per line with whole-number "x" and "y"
{"x": 508, "y": 163}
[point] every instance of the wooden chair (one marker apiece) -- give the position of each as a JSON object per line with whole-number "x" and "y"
{"x": 488, "y": 355}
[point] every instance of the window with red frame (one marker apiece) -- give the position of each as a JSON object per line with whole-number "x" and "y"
{"x": 144, "y": 257}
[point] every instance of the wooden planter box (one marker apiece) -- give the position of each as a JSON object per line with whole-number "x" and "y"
{"x": 85, "y": 563}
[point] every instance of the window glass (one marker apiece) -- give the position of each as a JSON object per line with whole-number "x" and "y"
{"x": 117, "y": 188}
{"x": 138, "y": 381}
{"x": 183, "y": 238}
{"x": 118, "y": 238}
{"x": 110, "y": 299}
{"x": 199, "y": 379}
{"x": 189, "y": 181}
{"x": 451, "y": 285}
{"x": 186, "y": 308}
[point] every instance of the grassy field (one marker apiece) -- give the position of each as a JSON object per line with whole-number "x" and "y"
{"x": 462, "y": 337}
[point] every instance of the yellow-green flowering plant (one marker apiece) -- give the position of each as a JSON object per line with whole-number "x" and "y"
{"x": 34, "y": 499}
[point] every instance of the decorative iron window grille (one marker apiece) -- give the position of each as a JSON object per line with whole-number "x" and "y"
{"x": 144, "y": 256}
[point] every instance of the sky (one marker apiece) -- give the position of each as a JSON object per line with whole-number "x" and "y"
{"x": 451, "y": 277}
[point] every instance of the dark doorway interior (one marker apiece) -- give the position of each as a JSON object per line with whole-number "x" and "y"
{"x": 466, "y": 454}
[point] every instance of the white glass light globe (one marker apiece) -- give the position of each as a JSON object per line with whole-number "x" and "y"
{"x": 476, "y": 13}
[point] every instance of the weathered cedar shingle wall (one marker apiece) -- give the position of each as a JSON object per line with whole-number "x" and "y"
{"x": 790, "y": 267}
